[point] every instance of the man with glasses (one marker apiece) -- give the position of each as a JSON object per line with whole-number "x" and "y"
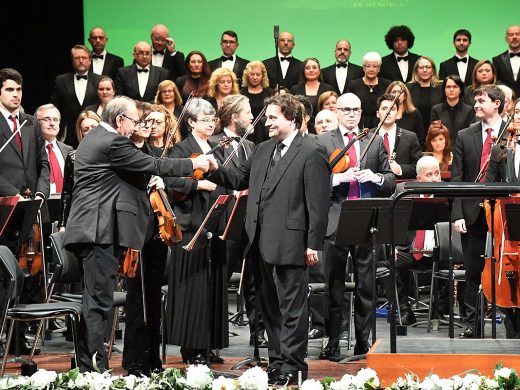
{"x": 370, "y": 177}
{"x": 229, "y": 60}
{"x": 92, "y": 225}
{"x": 139, "y": 81}
{"x": 164, "y": 53}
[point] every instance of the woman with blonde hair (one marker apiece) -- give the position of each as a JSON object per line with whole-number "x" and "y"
{"x": 484, "y": 73}
{"x": 223, "y": 82}
{"x": 162, "y": 123}
{"x": 327, "y": 101}
{"x": 169, "y": 96}
{"x": 408, "y": 116}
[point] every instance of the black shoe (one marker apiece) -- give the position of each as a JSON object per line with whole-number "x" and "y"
{"x": 2, "y": 351}
{"x": 25, "y": 349}
{"x": 331, "y": 350}
{"x": 199, "y": 358}
{"x": 315, "y": 334}
{"x": 361, "y": 348}
{"x": 408, "y": 317}
{"x": 213, "y": 358}
{"x": 281, "y": 378}
{"x": 467, "y": 334}
{"x": 260, "y": 340}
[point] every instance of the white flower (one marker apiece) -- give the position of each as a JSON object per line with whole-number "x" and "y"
{"x": 253, "y": 379}
{"x": 367, "y": 376}
{"x": 223, "y": 383}
{"x": 490, "y": 383}
{"x": 198, "y": 376}
{"x": 95, "y": 380}
{"x": 311, "y": 384}
{"x": 427, "y": 384}
{"x": 41, "y": 378}
{"x": 503, "y": 372}
{"x": 14, "y": 382}
{"x": 337, "y": 385}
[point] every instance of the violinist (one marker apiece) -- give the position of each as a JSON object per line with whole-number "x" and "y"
{"x": 24, "y": 165}
{"x": 187, "y": 287}
{"x": 504, "y": 167}
{"x": 372, "y": 177}
{"x": 470, "y": 161}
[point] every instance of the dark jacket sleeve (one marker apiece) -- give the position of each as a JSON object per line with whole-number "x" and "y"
{"x": 66, "y": 194}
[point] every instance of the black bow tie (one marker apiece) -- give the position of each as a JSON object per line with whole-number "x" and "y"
{"x": 341, "y": 65}
{"x": 158, "y": 52}
{"x": 465, "y": 59}
{"x": 511, "y": 55}
{"x": 405, "y": 58}
{"x": 99, "y": 56}
{"x": 285, "y": 59}
{"x": 142, "y": 70}
{"x": 79, "y": 77}
{"x": 224, "y": 58}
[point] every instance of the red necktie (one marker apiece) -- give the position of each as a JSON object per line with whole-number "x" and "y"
{"x": 419, "y": 244}
{"x": 387, "y": 144}
{"x": 486, "y": 151}
{"x": 353, "y": 188}
{"x": 56, "y": 175}
{"x": 17, "y": 136}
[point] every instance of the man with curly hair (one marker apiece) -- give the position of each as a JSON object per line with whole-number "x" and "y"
{"x": 398, "y": 65}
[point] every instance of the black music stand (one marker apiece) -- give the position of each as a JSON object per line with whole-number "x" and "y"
{"x": 372, "y": 218}
{"x": 53, "y": 204}
{"x": 202, "y": 239}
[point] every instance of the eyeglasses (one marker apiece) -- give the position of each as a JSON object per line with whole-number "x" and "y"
{"x": 151, "y": 122}
{"x": 135, "y": 122}
{"x": 143, "y": 54}
{"x": 227, "y": 42}
{"x": 348, "y": 110}
{"x": 49, "y": 120}
{"x": 207, "y": 121}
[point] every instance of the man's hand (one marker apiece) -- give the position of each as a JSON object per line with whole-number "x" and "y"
{"x": 311, "y": 257}
{"x": 460, "y": 225}
{"x": 202, "y": 162}
{"x": 206, "y": 185}
{"x": 367, "y": 175}
{"x": 213, "y": 164}
{"x": 396, "y": 168}
{"x": 156, "y": 182}
{"x": 61, "y": 229}
{"x": 170, "y": 44}
{"x": 348, "y": 176}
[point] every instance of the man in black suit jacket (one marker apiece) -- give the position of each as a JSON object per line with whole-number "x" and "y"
{"x": 103, "y": 63}
{"x": 74, "y": 91}
{"x": 285, "y": 225}
{"x": 23, "y": 165}
{"x": 92, "y": 225}
{"x": 507, "y": 64}
{"x": 229, "y": 60}
{"x": 401, "y": 145}
{"x": 371, "y": 178}
{"x": 139, "y": 81}
{"x": 164, "y": 54}
{"x": 339, "y": 74}
{"x": 284, "y": 70}
{"x": 461, "y": 64}
{"x": 398, "y": 65}
{"x": 472, "y": 150}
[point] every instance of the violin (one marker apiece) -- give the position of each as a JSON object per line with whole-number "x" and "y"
{"x": 169, "y": 231}
{"x": 30, "y": 256}
{"x": 128, "y": 262}
{"x": 339, "y": 159}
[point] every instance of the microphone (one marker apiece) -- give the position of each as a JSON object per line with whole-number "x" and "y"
{"x": 276, "y": 32}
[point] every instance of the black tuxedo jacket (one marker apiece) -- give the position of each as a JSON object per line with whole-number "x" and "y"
{"x": 27, "y": 169}
{"x": 174, "y": 64}
{"x": 97, "y": 185}
{"x": 64, "y": 98}
{"x": 238, "y": 68}
{"x": 465, "y": 116}
{"x": 287, "y": 205}
{"x": 329, "y": 76}
{"x": 127, "y": 84}
{"x": 500, "y": 169}
{"x": 449, "y": 67}
{"x": 406, "y": 153}
{"x": 376, "y": 160}
{"x": 111, "y": 65}
{"x": 274, "y": 71}
{"x": 64, "y": 149}
{"x": 415, "y": 91}
{"x": 465, "y": 168}
{"x": 505, "y": 72}
{"x": 390, "y": 69}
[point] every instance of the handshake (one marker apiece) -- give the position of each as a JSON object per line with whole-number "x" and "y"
{"x": 205, "y": 163}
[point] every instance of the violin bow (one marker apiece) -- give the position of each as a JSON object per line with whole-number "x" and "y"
{"x": 18, "y": 131}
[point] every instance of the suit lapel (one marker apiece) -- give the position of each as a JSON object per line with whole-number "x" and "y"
{"x": 507, "y": 63}
{"x": 71, "y": 90}
{"x": 7, "y": 133}
{"x": 477, "y": 140}
{"x": 148, "y": 91}
{"x": 91, "y": 89}
{"x": 26, "y": 137}
{"x": 134, "y": 82}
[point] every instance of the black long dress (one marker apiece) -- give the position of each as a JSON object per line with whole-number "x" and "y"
{"x": 256, "y": 101}
{"x": 188, "y": 287}
{"x": 368, "y": 96}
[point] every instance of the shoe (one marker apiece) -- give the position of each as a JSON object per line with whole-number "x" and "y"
{"x": 199, "y": 358}
{"x": 2, "y": 351}
{"x": 260, "y": 340}
{"x": 25, "y": 349}
{"x": 361, "y": 348}
{"x": 467, "y": 334}
{"x": 408, "y": 317}
{"x": 344, "y": 335}
{"x": 213, "y": 358}
{"x": 331, "y": 350}
{"x": 315, "y": 334}
{"x": 281, "y": 378}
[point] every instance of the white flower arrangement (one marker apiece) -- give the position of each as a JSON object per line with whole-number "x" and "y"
{"x": 311, "y": 384}
{"x": 253, "y": 379}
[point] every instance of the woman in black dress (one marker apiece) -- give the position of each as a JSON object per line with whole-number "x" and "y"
{"x": 484, "y": 73}
{"x": 196, "y": 79}
{"x": 188, "y": 290}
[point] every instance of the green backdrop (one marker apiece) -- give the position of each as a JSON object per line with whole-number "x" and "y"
{"x": 317, "y": 25}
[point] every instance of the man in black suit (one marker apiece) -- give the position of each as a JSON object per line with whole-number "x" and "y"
{"x": 164, "y": 54}
{"x": 402, "y": 146}
{"x": 284, "y": 70}
{"x": 49, "y": 119}
{"x": 229, "y": 60}
{"x": 286, "y": 221}
{"x": 92, "y": 225}
{"x": 372, "y": 177}
{"x": 507, "y": 64}
{"x": 103, "y": 63}
{"x": 74, "y": 91}
{"x": 472, "y": 151}
{"x": 398, "y": 65}
{"x": 339, "y": 74}
{"x": 461, "y": 64}
{"x": 139, "y": 81}
{"x": 24, "y": 166}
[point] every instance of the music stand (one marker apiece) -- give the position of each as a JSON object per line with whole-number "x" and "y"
{"x": 372, "y": 218}
{"x": 202, "y": 239}
{"x": 7, "y": 206}
{"x": 53, "y": 204}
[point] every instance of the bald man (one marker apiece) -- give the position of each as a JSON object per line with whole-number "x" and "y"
{"x": 284, "y": 70}
{"x": 103, "y": 63}
{"x": 164, "y": 53}
{"x": 139, "y": 81}
{"x": 507, "y": 64}
{"x": 326, "y": 120}
{"x": 339, "y": 74}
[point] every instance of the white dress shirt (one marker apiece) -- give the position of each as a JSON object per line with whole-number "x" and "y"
{"x": 142, "y": 80}
{"x": 80, "y": 87}
{"x": 98, "y": 64}
{"x": 403, "y": 65}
